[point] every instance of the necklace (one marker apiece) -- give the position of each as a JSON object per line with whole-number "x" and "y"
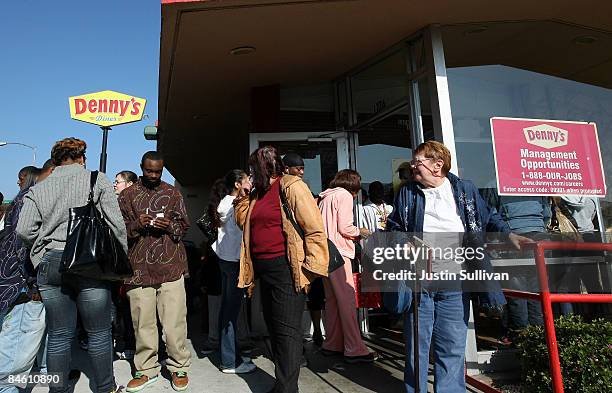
{"x": 381, "y": 214}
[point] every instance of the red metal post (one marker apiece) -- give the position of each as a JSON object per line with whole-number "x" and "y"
{"x": 547, "y": 298}
{"x": 549, "y": 323}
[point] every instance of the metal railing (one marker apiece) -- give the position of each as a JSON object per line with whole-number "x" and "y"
{"x": 547, "y": 298}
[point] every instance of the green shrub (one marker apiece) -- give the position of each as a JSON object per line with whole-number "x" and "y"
{"x": 585, "y": 352}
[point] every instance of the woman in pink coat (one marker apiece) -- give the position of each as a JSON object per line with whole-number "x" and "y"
{"x": 341, "y": 328}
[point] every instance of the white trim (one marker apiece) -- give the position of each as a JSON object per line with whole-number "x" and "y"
{"x": 440, "y": 96}
{"x": 341, "y": 138}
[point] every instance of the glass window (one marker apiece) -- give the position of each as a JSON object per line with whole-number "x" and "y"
{"x": 342, "y": 119}
{"x": 481, "y": 92}
{"x": 383, "y": 148}
{"x": 380, "y": 86}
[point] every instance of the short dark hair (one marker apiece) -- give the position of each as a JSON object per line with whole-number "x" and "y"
{"x": 293, "y": 159}
{"x": 348, "y": 179}
{"x": 68, "y": 148}
{"x": 152, "y": 155}
{"x": 377, "y": 192}
{"x": 128, "y": 176}
{"x": 48, "y": 165}
{"x": 1, "y": 198}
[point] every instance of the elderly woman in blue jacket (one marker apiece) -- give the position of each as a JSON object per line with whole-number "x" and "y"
{"x": 438, "y": 201}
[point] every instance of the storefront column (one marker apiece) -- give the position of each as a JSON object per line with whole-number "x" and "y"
{"x": 439, "y": 95}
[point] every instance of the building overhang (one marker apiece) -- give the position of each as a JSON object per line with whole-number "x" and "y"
{"x": 204, "y": 86}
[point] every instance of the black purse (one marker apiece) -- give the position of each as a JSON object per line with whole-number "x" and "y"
{"x": 335, "y": 258}
{"x": 92, "y": 250}
{"x": 206, "y": 225}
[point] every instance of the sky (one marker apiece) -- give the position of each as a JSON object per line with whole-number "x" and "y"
{"x": 51, "y": 50}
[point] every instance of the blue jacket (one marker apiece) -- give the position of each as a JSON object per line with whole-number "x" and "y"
{"x": 477, "y": 217}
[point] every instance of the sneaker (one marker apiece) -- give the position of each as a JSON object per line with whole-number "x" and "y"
{"x": 139, "y": 382}
{"x": 180, "y": 381}
{"x": 369, "y": 358}
{"x": 128, "y": 354}
{"x": 244, "y": 368}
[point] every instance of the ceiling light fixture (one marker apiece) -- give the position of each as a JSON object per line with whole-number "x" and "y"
{"x": 243, "y": 50}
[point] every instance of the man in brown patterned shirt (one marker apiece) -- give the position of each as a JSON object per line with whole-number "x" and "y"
{"x": 156, "y": 221}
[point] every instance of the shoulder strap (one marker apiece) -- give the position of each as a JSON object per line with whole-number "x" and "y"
{"x": 289, "y": 212}
{"x": 92, "y": 182}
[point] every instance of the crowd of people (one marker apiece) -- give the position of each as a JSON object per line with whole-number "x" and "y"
{"x": 263, "y": 226}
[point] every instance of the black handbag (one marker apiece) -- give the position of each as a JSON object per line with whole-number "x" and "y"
{"x": 206, "y": 225}
{"x": 335, "y": 258}
{"x": 92, "y": 250}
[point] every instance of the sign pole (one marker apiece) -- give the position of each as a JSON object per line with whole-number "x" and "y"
{"x": 105, "y": 131}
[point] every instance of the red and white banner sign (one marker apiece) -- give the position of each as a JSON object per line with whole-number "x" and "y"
{"x": 547, "y": 157}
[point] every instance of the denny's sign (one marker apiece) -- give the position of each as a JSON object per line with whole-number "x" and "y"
{"x": 107, "y": 108}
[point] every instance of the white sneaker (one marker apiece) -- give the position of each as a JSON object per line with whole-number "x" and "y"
{"x": 244, "y": 368}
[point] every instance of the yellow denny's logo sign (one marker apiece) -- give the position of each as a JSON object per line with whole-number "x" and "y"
{"x": 107, "y": 108}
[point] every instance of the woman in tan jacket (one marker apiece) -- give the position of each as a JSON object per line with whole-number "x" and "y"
{"x": 275, "y": 252}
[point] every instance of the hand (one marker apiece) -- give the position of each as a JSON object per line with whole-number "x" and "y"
{"x": 243, "y": 192}
{"x": 145, "y": 220}
{"x": 161, "y": 223}
{"x": 518, "y": 240}
{"x": 364, "y": 233}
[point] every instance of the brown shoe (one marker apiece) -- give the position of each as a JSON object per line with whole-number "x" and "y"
{"x": 139, "y": 382}
{"x": 180, "y": 381}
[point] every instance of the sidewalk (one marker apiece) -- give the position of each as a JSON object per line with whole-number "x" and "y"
{"x": 323, "y": 375}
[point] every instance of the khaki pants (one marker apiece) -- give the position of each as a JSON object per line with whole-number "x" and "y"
{"x": 169, "y": 301}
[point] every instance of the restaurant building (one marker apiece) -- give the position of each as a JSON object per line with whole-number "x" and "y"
{"x": 359, "y": 83}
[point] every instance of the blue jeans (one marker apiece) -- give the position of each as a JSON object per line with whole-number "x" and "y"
{"x": 443, "y": 319}
{"x": 522, "y": 312}
{"x": 92, "y": 299}
{"x": 20, "y": 337}
{"x": 231, "y": 301}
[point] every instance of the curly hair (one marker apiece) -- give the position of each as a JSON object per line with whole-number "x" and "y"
{"x": 68, "y": 148}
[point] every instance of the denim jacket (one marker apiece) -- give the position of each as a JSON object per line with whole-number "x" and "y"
{"x": 477, "y": 218}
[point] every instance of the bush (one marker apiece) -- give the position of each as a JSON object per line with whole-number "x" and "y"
{"x": 585, "y": 352}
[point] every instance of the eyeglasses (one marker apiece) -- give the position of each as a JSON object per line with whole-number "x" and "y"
{"x": 418, "y": 161}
